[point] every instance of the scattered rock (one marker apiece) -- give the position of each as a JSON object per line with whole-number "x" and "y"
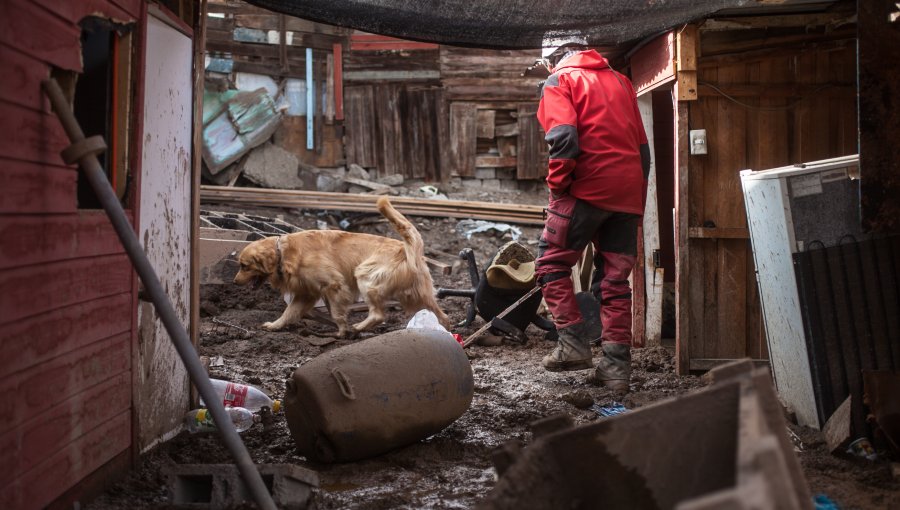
{"x": 270, "y": 166}
{"x": 390, "y": 180}
{"x": 357, "y": 172}
{"x": 329, "y": 179}
{"x": 579, "y": 399}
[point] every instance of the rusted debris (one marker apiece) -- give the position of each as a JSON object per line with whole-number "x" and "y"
{"x": 882, "y": 396}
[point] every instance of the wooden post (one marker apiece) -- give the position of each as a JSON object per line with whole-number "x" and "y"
{"x": 687, "y": 51}
{"x": 682, "y": 276}
{"x": 197, "y": 143}
{"x": 310, "y": 100}
{"x": 282, "y": 44}
{"x": 338, "y": 53}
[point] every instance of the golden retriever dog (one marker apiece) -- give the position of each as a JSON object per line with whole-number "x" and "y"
{"x": 339, "y": 267}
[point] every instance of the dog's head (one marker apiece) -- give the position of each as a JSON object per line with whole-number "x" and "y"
{"x": 259, "y": 261}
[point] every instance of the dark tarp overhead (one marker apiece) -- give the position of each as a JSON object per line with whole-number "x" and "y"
{"x": 503, "y": 24}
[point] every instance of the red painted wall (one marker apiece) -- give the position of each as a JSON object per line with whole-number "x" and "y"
{"x": 67, "y": 291}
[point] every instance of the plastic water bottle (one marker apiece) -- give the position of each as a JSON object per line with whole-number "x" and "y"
{"x": 201, "y": 420}
{"x": 242, "y": 395}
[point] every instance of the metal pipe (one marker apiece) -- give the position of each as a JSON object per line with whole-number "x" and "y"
{"x": 107, "y": 197}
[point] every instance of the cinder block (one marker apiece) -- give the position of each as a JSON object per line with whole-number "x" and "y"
{"x": 485, "y": 173}
{"x": 471, "y": 183}
{"x": 510, "y": 184}
{"x": 208, "y": 486}
{"x": 506, "y": 173}
{"x": 490, "y": 184}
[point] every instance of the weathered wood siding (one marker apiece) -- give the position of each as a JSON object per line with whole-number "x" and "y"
{"x": 66, "y": 287}
{"x": 761, "y": 109}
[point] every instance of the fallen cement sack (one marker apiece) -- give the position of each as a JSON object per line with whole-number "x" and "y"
{"x": 379, "y": 394}
{"x": 722, "y": 447}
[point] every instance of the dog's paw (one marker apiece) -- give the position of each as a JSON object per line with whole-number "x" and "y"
{"x": 348, "y": 334}
{"x": 271, "y": 326}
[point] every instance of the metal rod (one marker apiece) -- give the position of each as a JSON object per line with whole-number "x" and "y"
{"x": 97, "y": 179}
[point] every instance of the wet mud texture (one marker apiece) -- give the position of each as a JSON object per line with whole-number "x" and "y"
{"x": 453, "y": 468}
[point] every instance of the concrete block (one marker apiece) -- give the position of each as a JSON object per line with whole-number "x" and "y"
{"x": 471, "y": 183}
{"x": 510, "y": 184}
{"x": 270, "y": 166}
{"x": 218, "y": 259}
{"x": 485, "y": 173}
{"x": 221, "y": 486}
{"x": 490, "y": 184}
{"x": 506, "y": 173}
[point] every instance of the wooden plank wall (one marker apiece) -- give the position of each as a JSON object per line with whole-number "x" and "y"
{"x": 783, "y": 106}
{"x": 470, "y": 74}
{"x": 399, "y": 97}
{"x": 392, "y": 128}
{"x": 66, "y": 287}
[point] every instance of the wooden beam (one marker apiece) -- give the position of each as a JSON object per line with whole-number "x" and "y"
{"x": 508, "y": 212}
{"x": 687, "y": 46}
{"x": 197, "y": 148}
{"x": 338, "y": 55}
{"x": 682, "y": 253}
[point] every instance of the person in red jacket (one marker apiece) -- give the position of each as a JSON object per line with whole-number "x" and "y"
{"x": 599, "y": 163}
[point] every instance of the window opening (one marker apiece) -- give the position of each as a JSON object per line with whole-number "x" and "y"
{"x": 101, "y": 100}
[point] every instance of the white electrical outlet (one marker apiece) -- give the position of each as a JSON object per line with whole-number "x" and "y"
{"x": 698, "y": 141}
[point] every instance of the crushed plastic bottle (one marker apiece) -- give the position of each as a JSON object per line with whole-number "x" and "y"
{"x": 242, "y": 395}
{"x": 201, "y": 420}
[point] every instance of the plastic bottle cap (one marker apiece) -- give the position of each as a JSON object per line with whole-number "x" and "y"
{"x": 276, "y": 406}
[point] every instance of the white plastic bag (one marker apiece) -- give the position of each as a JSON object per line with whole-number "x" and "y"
{"x": 426, "y": 320}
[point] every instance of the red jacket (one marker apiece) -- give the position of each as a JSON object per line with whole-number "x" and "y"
{"x": 590, "y": 115}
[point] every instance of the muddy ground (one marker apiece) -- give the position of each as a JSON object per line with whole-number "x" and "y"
{"x": 451, "y": 469}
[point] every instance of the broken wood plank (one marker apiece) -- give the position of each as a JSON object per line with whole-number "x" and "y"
{"x": 837, "y": 428}
{"x": 506, "y": 129}
{"x": 444, "y": 269}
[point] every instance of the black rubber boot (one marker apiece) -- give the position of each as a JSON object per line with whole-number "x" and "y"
{"x": 573, "y": 350}
{"x": 614, "y": 368}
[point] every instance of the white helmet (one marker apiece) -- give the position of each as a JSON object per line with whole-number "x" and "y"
{"x": 556, "y": 40}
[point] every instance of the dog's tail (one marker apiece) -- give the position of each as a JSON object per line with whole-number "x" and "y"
{"x": 412, "y": 240}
